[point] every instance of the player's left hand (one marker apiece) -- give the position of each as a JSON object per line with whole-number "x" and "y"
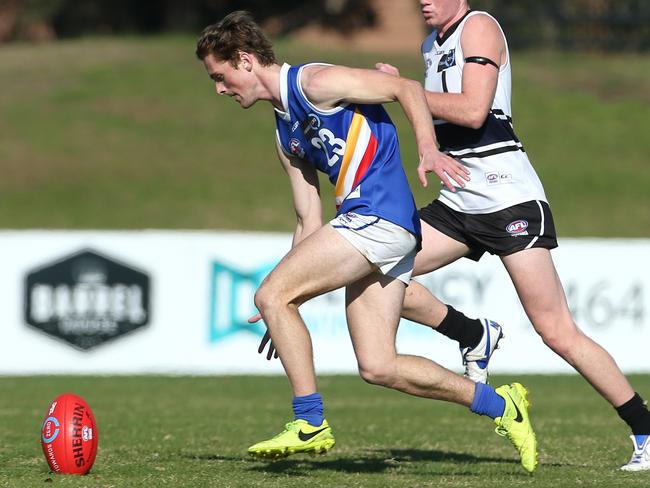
{"x": 446, "y": 168}
{"x": 271, "y": 353}
{"x": 389, "y": 69}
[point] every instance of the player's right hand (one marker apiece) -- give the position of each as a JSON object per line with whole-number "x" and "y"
{"x": 272, "y": 353}
{"x": 452, "y": 173}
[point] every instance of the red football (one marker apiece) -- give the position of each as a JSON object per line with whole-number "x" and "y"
{"x": 69, "y": 435}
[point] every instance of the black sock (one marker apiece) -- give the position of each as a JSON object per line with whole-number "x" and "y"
{"x": 457, "y": 326}
{"x": 635, "y": 414}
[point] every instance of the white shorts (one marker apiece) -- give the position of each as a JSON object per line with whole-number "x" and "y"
{"x": 386, "y": 245}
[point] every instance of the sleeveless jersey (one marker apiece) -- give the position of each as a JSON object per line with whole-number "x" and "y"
{"x": 501, "y": 173}
{"x": 355, "y": 145}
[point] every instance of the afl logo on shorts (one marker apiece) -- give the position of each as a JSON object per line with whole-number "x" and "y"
{"x": 517, "y": 227}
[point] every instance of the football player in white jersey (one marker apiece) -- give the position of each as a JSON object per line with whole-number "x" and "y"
{"x": 502, "y": 208}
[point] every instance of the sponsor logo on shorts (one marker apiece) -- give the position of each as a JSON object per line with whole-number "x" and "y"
{"x": 517, "y": 228}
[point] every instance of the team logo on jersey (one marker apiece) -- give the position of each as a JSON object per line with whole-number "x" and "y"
{"x": 311, "y": 124}
{"x": 295, "y": 148}
{"x": 447, "y": 60}
{"x": 517, "y": 228}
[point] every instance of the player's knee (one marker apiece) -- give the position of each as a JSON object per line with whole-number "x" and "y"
{"x": 269, "y": 300}
{"x": 266, "y": 300}
{"x": 409, "y": 304}
{"x": 562, "y": 340}
{"x": 377, "y": 372}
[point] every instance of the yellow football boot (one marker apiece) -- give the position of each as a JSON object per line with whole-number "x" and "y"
{"x": 515, "y": 424}
{"x": 297, "y": 437}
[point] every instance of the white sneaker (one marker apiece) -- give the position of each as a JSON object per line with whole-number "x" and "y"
{"x": 641, "y": 456}
{"x": 476, "y": 359}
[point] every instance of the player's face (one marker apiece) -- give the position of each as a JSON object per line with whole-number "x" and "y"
{"x": 231, "y": 81}
{"x": 439, "y": 13}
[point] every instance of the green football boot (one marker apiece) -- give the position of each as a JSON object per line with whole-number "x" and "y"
{"x": 297, "y": 437}
{"x": 515, "y": 424}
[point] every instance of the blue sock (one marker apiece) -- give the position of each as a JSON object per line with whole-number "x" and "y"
{"x": 309, "y": 408}
{"x": 487, "y": 402}
{"x": 641, "y": 439}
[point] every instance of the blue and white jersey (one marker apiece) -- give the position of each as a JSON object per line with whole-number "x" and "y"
{"x": 355, "y": 145}
{"x": 500, "y": 171}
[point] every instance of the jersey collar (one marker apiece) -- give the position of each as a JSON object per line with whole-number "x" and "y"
{"x": 284, "y": 98}
{"x": 441, "y": 40}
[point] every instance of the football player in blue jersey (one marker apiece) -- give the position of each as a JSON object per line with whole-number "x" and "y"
{"x": 329, "y": 119}
{"x": 502, "y": 209}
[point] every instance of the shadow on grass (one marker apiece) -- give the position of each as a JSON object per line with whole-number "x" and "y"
{"x": 370, "y": 461}
{"x": 211, "y": 457}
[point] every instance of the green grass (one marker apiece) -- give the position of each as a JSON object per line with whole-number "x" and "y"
{"x": 127, "y": 133}
{"x": 191, "y": 432}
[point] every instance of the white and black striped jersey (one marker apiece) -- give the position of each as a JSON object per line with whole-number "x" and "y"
{"x": 501, "y": 173}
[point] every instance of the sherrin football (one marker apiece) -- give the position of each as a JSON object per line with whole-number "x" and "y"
{"x": 69, "y": 435}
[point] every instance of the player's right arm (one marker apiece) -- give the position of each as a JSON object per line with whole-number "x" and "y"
{"x": 306, "y": 194}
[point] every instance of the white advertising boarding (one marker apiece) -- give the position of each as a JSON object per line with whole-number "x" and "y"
{"x": 174, "y": 302}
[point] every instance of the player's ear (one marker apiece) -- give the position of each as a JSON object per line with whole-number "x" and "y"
{"x": 245, "y": 60}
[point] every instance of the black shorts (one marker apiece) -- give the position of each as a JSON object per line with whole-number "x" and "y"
{"x": 513, "y": 229}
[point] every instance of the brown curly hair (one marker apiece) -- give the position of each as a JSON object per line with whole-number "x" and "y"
{"x": 236, "y": 32}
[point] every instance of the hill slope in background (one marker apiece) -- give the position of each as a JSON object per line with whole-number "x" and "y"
{"x": 127, "y": 133}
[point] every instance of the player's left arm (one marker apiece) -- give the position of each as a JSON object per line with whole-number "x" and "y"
{"x": 307, "y": 204}
{"x": 306, "y": 194}
{"x": 484, "y": 50}
{"x": 330, "y": 86}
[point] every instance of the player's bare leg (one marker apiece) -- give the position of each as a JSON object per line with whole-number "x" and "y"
{"x": 542, "y": 296}
{"x": 324, "y": 261}
{"x": 421, "y": 306}
{"x": 438, "y": 250}
{"x": 540, "y": 291}
{"x": 372, "y": 309}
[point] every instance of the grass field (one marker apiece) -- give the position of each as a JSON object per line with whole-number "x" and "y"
{"x": 193, "y": 432}
{"x": 127, "y": 133}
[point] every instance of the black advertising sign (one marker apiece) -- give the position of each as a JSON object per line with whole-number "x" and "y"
{"x": 87, "y": 299}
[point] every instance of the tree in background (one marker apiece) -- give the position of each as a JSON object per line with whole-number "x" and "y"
{"x": 71, "y": 18}
{"x": 558, "y": 24}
